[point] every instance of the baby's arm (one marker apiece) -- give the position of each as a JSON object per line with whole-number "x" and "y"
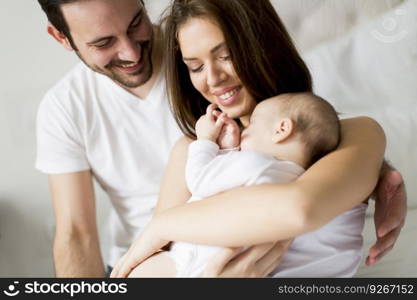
{"x": 174, "y": 190}
{"x": 212, "y": 127}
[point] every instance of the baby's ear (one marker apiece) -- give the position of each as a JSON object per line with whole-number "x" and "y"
{"x": 282, "y": 130}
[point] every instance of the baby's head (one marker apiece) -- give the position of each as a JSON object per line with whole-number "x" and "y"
{"x": 300, "y": 127}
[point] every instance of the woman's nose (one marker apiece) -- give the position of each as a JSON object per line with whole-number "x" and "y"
{"x": 216, "y": 75}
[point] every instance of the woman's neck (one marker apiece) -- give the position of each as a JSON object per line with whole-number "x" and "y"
{"x": 245, "y": 121}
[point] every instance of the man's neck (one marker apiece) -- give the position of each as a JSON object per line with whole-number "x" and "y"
{"x": 143, "y": 90}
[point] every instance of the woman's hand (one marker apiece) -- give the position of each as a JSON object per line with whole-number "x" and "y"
{"x": 390, "y": 212}
{"x": 256, "y": 261}
{"x": 147, "y": 244}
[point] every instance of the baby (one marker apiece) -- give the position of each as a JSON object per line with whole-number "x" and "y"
{"x": 286, "y": 135}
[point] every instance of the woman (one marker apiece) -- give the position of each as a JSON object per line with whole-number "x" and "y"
{"x": 234, "y": 54}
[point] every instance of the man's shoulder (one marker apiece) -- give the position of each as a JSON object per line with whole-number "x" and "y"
{"x": 69, "y": 93}
{"x": 77, "y": 86}
{"x": 78, "y": 78}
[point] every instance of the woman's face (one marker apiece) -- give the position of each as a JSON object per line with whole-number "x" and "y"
{"x": 211, "y": 70}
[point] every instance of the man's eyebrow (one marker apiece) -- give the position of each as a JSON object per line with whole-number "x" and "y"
{"x": 100, "y": 39}
{"x": 215, "y": 49}
{"x": 96, "y": 41}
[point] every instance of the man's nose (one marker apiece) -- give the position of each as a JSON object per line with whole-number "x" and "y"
{"x": 129, "y": 50}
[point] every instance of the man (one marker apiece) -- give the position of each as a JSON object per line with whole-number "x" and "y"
{"x": 109, "y": 119}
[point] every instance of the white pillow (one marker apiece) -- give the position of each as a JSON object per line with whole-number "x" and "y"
{"x": 373, "y": 71}
{"x": 312, "y": 22}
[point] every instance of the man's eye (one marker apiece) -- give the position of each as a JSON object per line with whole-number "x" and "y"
{"x": 103, "y": 44}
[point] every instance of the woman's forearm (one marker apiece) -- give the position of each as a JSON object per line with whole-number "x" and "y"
{"x": 259, "y": 214}
{"x": 236, "y": 218}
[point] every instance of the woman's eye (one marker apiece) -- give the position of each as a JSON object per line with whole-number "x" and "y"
{"x": 225, "y": 57}
{"x": 195, "y": 70}
{"x": 134, "y": 26}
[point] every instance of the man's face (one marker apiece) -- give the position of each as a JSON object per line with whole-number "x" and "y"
{"x": 114, "y": 38}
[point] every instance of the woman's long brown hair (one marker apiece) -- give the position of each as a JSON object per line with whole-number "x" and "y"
{"x": 262, "y": 52}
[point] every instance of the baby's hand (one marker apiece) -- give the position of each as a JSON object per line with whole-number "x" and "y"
{"x": 209, "y": 126}
{"x": 229, "y": 137}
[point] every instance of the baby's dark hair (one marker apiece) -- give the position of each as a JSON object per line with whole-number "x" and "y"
{"x": 316, "y": 123}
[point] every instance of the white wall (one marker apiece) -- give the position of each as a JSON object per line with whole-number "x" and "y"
{"x": 31, "y": 62}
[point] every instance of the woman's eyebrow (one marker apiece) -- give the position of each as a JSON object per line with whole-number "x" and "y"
{"x": 214, "y": 50}
{"x": 218, "y": 47}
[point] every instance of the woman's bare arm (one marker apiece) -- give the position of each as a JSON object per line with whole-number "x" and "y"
{"x": 259, "y": 214}
{"x": 174, "y": 190}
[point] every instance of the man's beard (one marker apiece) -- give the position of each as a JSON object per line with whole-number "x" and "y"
{"x": 125, "y": 80}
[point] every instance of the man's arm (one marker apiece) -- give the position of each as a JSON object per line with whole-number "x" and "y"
{"x": 390, "y": 212}
{"x": 76, "y": 245}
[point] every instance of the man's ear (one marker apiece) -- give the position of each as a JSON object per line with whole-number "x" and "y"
{"x": 61, "y": 38}
{"x": 283, "y": 130}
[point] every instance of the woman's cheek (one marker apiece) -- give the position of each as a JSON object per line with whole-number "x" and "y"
{"x": 230, "y": 69}
{"x": 198, "y": 83}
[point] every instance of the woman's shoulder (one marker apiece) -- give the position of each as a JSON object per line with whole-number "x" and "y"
{"x": 181, "y": 145}
{"x": 184, "y": 141}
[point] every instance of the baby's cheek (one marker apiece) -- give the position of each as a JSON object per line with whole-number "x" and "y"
{"x": 244, "y": 144}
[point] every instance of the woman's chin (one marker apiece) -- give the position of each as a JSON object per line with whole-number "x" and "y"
{"x": 232, "y": 113}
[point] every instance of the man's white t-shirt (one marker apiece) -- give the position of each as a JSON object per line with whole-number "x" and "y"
{"x": 88, "y": 122}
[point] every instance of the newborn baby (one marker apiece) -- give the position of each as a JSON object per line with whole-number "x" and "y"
{"x": 285, "y": 136}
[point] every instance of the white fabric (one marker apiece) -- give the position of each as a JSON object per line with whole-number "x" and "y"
{"x": 332, "y": 251}
{"x": 88, "y": 122}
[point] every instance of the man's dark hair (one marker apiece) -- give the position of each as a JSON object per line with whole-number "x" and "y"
{"x": 52, "y": 9}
